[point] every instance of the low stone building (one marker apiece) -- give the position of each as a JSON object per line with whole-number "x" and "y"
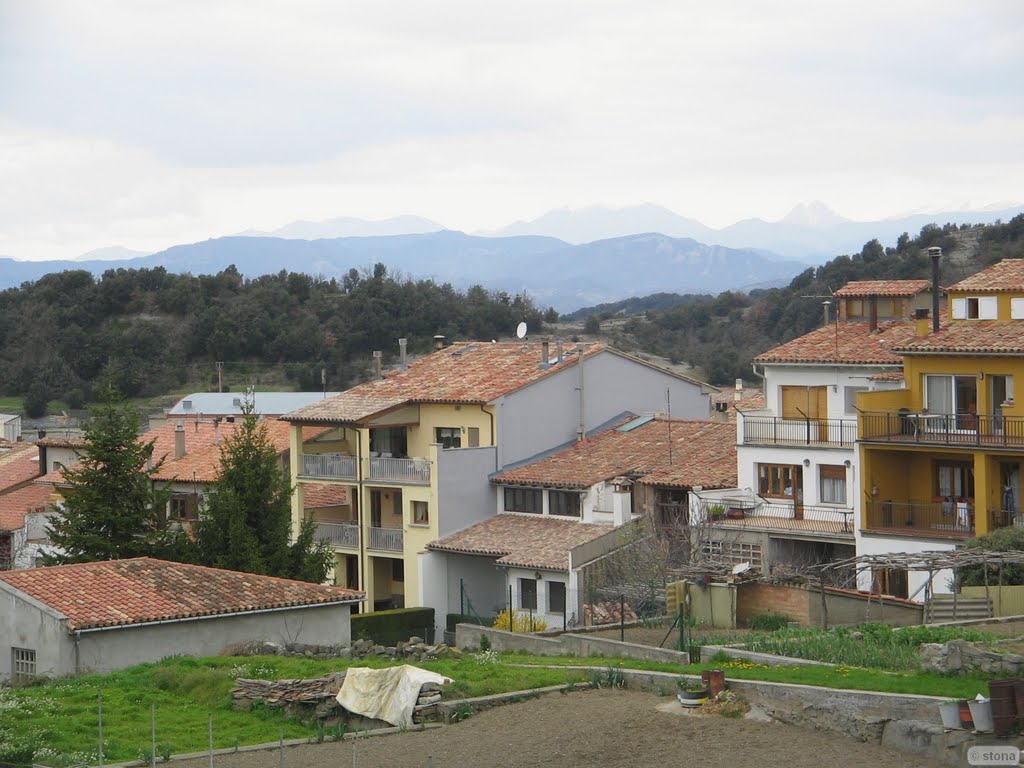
{"x": 97, "y": 617}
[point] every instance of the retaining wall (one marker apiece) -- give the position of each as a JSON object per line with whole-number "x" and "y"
{"x": 468, "y": 636}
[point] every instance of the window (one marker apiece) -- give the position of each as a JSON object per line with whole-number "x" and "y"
{"x": 23, "y": 665}
{"x": 420, "y": 513}
{"x": 528, "y": 594}
{"x": 564, "y": 503}
{"x": 775, "y": 480}
{"x": 949, "y": 395}
{"x": 850, "y": 398}
{"x": 804, "y": 402}
{"x": 1017, "y": 309}
{"x": 183, "y": 506}
{"x": 975, "y": 308}
{"x": 832, "y": 478}
{"x": 889, "y": 581}
{"x": 389, "y": 442}
{"x": 556, "y": 597}
{"x": 398, "y": 570}
{"x": 448, "y": 437}
{"x": 855, "y": 307}
{"x": 57, "y": 465}
{"x": 954, "y": 479}
{"x": 523, "y": 500}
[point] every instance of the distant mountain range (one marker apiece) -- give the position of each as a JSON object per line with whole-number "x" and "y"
{"x": 344, "y": 226}
{"x": 553, "y": 272}
{"x": 812, "y": 233}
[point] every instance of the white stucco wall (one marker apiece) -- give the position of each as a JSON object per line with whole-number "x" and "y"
{"x": 25, "y": 623}
{"x": 879, "y": 545}
{"x": 553, "y": 620}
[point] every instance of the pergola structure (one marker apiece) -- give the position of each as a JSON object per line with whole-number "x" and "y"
{"x": 925, "y": 561}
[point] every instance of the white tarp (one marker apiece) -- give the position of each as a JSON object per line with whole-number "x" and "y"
{"x": 385, "y": 694}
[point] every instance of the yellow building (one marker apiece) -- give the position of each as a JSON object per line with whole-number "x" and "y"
{"x": 941, "y": 459}
{"x": 407, "y": 456}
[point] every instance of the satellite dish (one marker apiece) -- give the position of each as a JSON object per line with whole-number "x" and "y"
{"x": 521, "y": 331}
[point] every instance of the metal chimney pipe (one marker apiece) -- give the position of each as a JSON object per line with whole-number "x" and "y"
{"x": 439, "y": 342}
{"x": 936, "y": 253}
{"x": 824, "y": 309}
{"x": 737, "y": 394}
{"x": 377, "y": 355}
{"x": 179, "y": 439}
{"x": 402, "y": 343}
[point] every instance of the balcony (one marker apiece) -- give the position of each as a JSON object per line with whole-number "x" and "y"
{"x": 386, "y": 539}
{"x": 960, "y": 429}
{"x": 772, "y": 430}
{"x": 339, "y": 535}
{"x": 329, "y": 466}
{"x": 406, "y": 471}
{"x": 1004, "y": 518}
{"x": 942, "y": 519}
{"x": 834, "y": 521}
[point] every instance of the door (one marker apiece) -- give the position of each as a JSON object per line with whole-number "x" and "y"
{"x": 1001, "y": 392}
{"x": 809, "y": 404}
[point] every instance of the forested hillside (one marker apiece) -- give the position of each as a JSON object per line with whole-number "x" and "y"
{"x": 152, "y": 332}
{"x": 721, "y": 334}
{"x": 149, "y": 331}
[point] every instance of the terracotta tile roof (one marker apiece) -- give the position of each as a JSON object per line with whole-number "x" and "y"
{"x": 465, "y": 372}
{"x": 859, "y": 288}
{"x": 528, "y": 541}
{"x": 14, "y": 505}
{"x": 703, "y": 453}
{"x": 975, "y": 336}
{"x": 1006, "y": 275}
{"x": 61, "y": 442}
{"x": 316, "y": 495}
{"x": 202, "y": 447}
{"x": 118, "y": 592}
{"x": 19, "y": 463}
{"x": 887, "y": 376}
{"x": 845, "y": 344}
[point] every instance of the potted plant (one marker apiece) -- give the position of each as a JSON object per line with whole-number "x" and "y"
{"x": 692, "y": 693}
{"x": 716, "y": 512}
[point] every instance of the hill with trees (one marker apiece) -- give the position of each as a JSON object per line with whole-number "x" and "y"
{"x": 150, "y": 332}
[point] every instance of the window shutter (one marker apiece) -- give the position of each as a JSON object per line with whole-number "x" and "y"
{"x": 988, "y": 308}
{"x": 959, "y": 309}
{"x": 1017, "y": 309}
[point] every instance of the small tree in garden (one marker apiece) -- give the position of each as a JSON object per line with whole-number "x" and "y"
{"x": 246, "y": 522}
{"x": 999, "y": 540}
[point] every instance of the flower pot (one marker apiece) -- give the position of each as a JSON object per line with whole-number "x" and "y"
{"x": 965, "y": 715}
{"x": 950, "y": 714}
{"x": 693, "y": 698}
{"x": 734, "y": 513}
{"x": 981, "y": 713}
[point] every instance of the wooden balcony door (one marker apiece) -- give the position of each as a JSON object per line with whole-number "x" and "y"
{"x": 801, "y": 403}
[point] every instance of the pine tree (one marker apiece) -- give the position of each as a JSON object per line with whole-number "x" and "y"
{"x": 245, "y": 524}
{"x": 111, "y": 509}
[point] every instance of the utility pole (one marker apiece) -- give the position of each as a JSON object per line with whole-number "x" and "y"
{"x": 220, "y": 376}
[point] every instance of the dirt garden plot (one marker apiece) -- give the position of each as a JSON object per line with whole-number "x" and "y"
{"x": 606, "y": 728}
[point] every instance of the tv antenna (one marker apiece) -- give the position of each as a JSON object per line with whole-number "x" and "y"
{"x": 521, "y": 331}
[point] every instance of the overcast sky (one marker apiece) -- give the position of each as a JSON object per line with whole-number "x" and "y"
{"x": 145, "y": 124}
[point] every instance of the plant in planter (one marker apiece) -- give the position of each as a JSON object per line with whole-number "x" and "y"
{"x": 692, "y": 693}
{"x": 716, "y": 512}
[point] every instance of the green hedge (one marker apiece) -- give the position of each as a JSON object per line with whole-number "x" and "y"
{"x": 397, "y": 624}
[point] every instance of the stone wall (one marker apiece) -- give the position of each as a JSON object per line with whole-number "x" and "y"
{"x": 961, "y": 656}
{"x": 468, "y": 636}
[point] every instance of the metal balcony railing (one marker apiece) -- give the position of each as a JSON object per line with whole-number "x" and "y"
{"x": 1005, "y": 518}
{"x": 342, "y": 535}
{"x": 935, "y": 518}
{"x": 784, "y": 516}
{"x": 906, "y": 426}
{"x": 386, "y": 539}
{"x": 411, "y": 471}
{"x": 336, "y": 466}
{"x": 772, "y": 430}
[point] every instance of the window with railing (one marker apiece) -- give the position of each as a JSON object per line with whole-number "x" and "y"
{"x": 775, "y": 480}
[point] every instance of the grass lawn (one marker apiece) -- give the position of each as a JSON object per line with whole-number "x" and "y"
{"x": 61, "y": 717}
